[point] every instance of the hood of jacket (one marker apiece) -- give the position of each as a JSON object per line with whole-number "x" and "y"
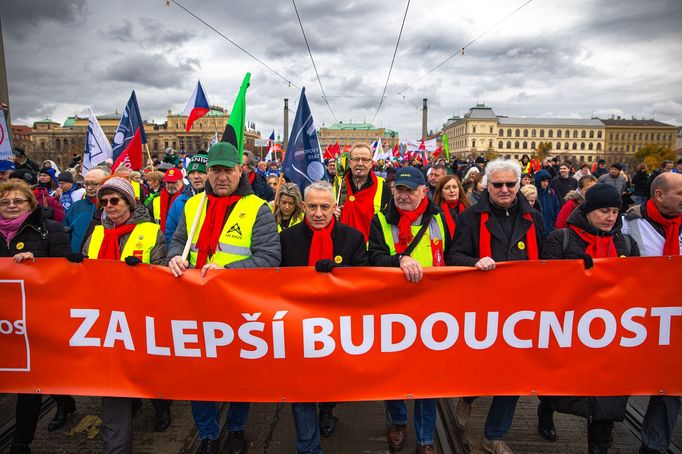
{"x": 541, "y": 175}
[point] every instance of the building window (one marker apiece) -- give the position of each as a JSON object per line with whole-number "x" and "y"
{"x": 590, "y": 147}
{"x": 658, "y": 136}
{"x": 500, "y": 144}
{"x": 501, "y": 134}
{"x": 575, "y": 145}
{"x": 165, "y": 145}
{"x": 156, "y": 145}
{"x": 516, "y": 156}
{"x": 598, "y": 147}
{"x": 558, "y": 145}
{"x": 473, "y": 143}
{"x": 525, "y": 145}
{"x": 542, "y": 133}
{"x": 646, "y": 136}
{"x": 516, "y": 144}
{"x": 491, "y": 130}
{"x": 509, "y": 144}
{"x": 490, "y": 143}
{"x": 598, "y": 134}
{"x": 532, "y": 145}
{"x": 591, "y": 134}
{"x": 42, "y": 144}
{"x": 589, "y": 158}
{"x": 627, "y": 148}
{"x": 518, "y": 133}
{"x": 565, "y": 146}
{"x": 583, "y": 134}
{"x": 568, "y": 134}
{"x": 474, "y": 129}
{"x": 558, "y": 134}
{"x": 532, "y": 133}
{"x": 640, "y": 136}
{"x": 582, "y": 145}
{"x": 575, "y": 134}
{"x": 525, "y": 133}
{"x": 509, "y": 132}
{"x": 175, "y": 145}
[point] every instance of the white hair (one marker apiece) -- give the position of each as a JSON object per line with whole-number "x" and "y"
{"x": 472, "y": 169}
{"x": 321, "y": 186}
{"x": 503, "y": 165}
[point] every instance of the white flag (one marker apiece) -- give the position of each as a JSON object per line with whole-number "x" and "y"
{"x": 430, "y": 145}
{"x": 5, "y": 145}
{"x": 97, "y": 146}
{"x": 214, "y": 140}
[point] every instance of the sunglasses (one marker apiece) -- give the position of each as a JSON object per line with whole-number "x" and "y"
{"x": 112, "y": 201}
{"x": 499, "y": 184}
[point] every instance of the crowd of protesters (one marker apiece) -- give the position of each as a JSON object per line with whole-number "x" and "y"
{"x": 408, "y": 215}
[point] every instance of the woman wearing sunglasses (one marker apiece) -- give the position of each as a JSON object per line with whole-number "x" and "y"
{"x": 27, "y": 234}
{"x": 125, "y": 219}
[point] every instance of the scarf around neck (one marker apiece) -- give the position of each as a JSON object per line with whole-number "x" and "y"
{"x": 447, "y": 206}
{"x": 213, "y": 226}
{"x": 110, "y": 248}
{"x": 321, "y": 246}
{"x": 358, "y": 210}
{"x": 405, "y": 225}
{"x": 671, "y": 228}
{"x": 598, "y": 246}
{"x": 10, "y": 227}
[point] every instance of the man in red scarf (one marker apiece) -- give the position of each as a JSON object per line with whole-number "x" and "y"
{"x": 236, "y": 229}
{"x": 655, "y": 226}
{"x": 411, "y": 234}
{"x": 323, "y": 242}
{"x": 363, "y": 194}
{"x": 501, "y": 227}
{"x": 160, "y": 206}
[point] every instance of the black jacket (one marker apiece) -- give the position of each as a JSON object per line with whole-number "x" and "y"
{"x": 261, "y": 188}
{"x": 563, "y": 186}
{"x": 349, "y": 244}
{"x": 575, "y": 249}
{"x": 465, "y": 248}
{"x": 379, "y": 253}
{"x": 43, "y": 237}
{"x": 640, "y": 181}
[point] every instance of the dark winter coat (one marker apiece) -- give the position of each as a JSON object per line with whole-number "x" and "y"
{"x": 349, "y": 244}
{"x": 549, "y": 201}
{"x": 43, "y": 237}
{"x": 563, "y": 186}
{"x": 261, "y": 188}
{"x": 602, "y": 408}
{"x": 465, "y": 248}
{"x": 640, "y": 181}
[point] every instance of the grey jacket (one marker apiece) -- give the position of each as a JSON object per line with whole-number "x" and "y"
{"x": 139, "y": 215}
{"x": 265, "y": 245}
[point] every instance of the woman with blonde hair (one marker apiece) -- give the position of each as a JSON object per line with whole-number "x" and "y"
{"x": 288, "y": 206}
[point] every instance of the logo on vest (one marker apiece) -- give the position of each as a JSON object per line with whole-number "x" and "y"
{"x": 235, "y": 231}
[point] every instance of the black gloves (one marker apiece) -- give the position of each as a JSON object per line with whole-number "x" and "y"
{"x": 587, "y": 261}
{"x": 74, "y": 257}
{"x": 325, "y": 266}
{"x": 132, "y": 261}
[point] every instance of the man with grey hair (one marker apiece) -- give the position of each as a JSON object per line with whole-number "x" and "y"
{"x": 323, "y": 242}
{"x": 257, "y": 181}
{"x": 84, "y": 211}
{"x": 501, "y": 227}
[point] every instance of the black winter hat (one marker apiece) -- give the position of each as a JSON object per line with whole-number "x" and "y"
{"x": 28, "y": 177}
{"x": 601, "y": 195}
{"x": 65, "y": 177}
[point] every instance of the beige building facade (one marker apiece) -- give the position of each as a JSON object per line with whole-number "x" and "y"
{"x": 350, "y": 133}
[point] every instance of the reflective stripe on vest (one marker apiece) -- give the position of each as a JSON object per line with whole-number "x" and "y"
{"x": 156, "y": 207}
{"x": 136, "y": 189}
{"x": 234, "y": 243}
{"x": 297, "y": 220}
{"x": 377, "y": 195}
{"x": 139, "y": 244}
{"x": 422, "y": 252}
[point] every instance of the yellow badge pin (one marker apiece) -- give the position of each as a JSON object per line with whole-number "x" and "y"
{"x": 521, "y": 245}
{"x": 338, "y": 259}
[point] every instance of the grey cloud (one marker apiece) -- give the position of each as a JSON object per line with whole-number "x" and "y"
{"x": 151, "y": 70}
{"x": 123, "y": 33}
{"x": 22, "y": 16}
{"x": 157, "y": 34}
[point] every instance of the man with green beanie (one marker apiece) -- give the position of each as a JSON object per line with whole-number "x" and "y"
{"x": 197, "y": 176}
{"x": 236, "y": 230}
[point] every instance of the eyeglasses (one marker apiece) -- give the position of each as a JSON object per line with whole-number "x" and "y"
{"x": 89, "y": 184}
{"x": 112, "y": 201}
{"x": 15, "y": 202}
{"x": 499, "y": 184}
{"x": 362, "y": 160}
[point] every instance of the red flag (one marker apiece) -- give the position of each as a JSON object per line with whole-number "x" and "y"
{"x": 131, "y": 157}
{"x": 336, "y": 150}
{"x": 437, "y": 152}
{"x": 346, "y": 148}
{"x": 328, "y": 154}
{"x": 396, "y": 152}
{"x": 422, "y": 147}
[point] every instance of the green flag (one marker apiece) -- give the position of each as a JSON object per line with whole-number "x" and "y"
{"x": 446, "y": 147}
{"x": 234, "y": 130}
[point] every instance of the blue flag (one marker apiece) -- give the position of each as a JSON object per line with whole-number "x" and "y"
{"x": 131, "y": 122}
{"x": 303, "y": 159}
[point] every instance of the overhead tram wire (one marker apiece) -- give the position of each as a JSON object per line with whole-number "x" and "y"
{"x": 395, "y": 51}
{"x": 461, "y": 50}
{"x": 236, "y": 45}
{"x": 305, "y": 38}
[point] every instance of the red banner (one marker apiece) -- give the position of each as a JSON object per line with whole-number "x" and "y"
{"x": 105, "y": 328}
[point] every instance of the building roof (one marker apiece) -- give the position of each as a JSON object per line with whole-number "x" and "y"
{"x": 47, "y": 120}
{"x": 21, "y": 129}
{"x": 70, "y": 122}
{"x": 635, "y": 123}
{"x": 480, "y": 112}
{"x": 549, "y": 121}
{"x": 352, "y": 126}
{"x": 111, "y": 116}
{"x": 217, "y": 113}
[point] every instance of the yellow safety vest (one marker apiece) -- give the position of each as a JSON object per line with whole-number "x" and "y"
{"x": 137, "y": 190}
{"x": 297, "y": 220}
{"x": 378, "y": 194}
{"x": 156, "y": 207}
{"x": 139, "y": 244}
{"x": 234, "y": 243}
{"x": 422, "y": 253}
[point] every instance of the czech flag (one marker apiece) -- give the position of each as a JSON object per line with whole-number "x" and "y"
{"x": 197, "y": 106}
{"x": 129, "y": 137}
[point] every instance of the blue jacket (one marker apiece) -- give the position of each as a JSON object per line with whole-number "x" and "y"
{"x": 548, "y": 200}
{"x": 175, "y": 212}
{"x": 77, "y": 221}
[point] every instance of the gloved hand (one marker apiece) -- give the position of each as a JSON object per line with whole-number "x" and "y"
{"x": 74, "y": 257}
{"x": 132, "y": 261}
{"x": 325, "y": 266}
{"x": 588, "y": 262}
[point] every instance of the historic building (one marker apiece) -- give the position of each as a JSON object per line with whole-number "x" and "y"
{"x": 350, "y": 133}
{"x": 50, "y": 140}
{"x": 481, "y": 132}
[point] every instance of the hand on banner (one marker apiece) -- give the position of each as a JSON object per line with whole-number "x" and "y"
{"x": 587, "y": 261}
{"x": 132, "y": 261}
{"x": 20, "y": 257}
{"x": 177, "y": 265}
{"x": 485, "y": 264}
{"x": 325, "y": 266}
{"x": 208, "y": 266}
{"x": 74, "y": 257}
{"x": 412, "y": 269}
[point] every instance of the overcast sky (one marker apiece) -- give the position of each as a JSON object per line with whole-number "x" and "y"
{"x": 552, "y": 58}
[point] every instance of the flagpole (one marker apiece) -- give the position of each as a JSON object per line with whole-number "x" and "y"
{"x": 149, "y": 155}
{"x": 195, "y": 224}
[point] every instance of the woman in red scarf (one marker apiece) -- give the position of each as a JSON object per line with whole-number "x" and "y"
{"x": 450, "y": 197}
{"x": 594, "y": 230}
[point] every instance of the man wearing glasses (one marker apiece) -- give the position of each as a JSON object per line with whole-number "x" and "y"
{"x": 363, "y": 194}
{"x": 83, "y": 211}
{"x": 501, "y": 227}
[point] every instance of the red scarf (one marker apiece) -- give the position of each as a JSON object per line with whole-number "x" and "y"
{"x": 447, "y": 206}
{"x": 166, "y": 202}
{"x": 109, "y": 250}
{"x": 405, "y": 225}
{"x": 598, "y": 246}
{"x": 321, "y": 246}
{"x": 252, "y": 178}
{"x": 213, "y": 226}
{"x": 484, "y": 247}
{"x": 671, "y": 227}
{"x": 358, "y": 210}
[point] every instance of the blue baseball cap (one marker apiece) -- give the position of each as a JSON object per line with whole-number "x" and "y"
{"x": 6, "y": 165}
{"x": 409, "y": 177}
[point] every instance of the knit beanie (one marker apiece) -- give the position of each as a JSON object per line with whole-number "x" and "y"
{"x": 120, "y": 185}
{"x": 198, "y": 163}
{"x": 601, "y": 195}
